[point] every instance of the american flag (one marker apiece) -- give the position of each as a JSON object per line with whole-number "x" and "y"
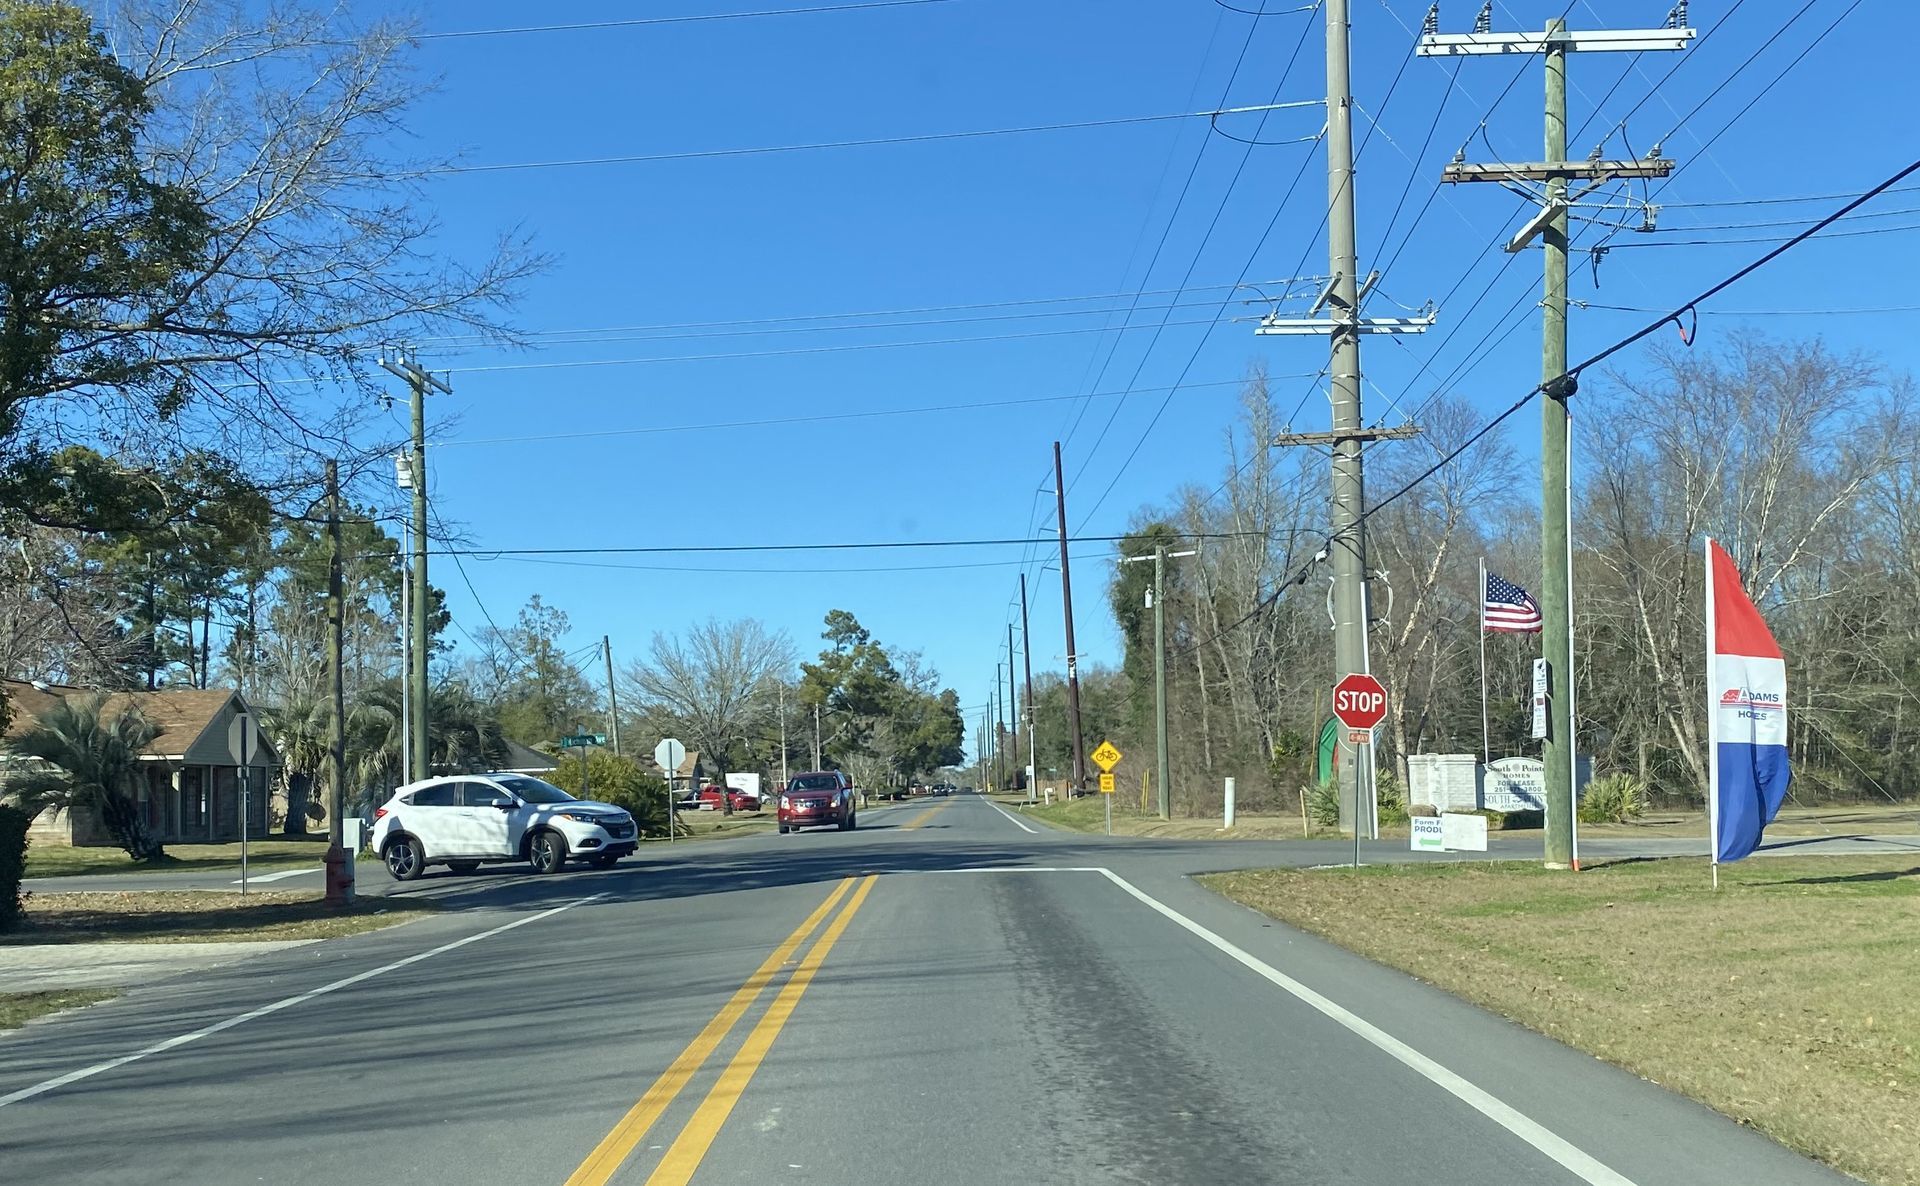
{"x": 1508, "y": 607}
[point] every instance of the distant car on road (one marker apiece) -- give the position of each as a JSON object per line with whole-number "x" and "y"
{"x": 818, "y": 798}
{"x": 462, "y": 821}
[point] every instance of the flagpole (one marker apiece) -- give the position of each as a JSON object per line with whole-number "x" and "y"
{"x": 1713, "y": 728}
{"x": 1486, "y": 747}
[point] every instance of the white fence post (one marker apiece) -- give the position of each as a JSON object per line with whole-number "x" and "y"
{"x": 1229, "y": 816}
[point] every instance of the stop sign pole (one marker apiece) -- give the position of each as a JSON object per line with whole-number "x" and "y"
{"x": 1360, "y": 703}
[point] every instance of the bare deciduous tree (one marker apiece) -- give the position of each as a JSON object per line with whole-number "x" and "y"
{"x": 714, "y": 680}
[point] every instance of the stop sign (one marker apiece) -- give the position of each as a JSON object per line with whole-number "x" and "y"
{"x": 1359, "y": 701}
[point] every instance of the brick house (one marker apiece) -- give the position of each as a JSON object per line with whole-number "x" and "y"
{"x": 191, "y": 792}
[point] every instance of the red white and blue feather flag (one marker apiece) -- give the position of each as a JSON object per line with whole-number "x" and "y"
{"x": 1746, "y": 715}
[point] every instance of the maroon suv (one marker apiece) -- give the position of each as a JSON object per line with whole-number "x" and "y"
{"x": 816, "y": 799}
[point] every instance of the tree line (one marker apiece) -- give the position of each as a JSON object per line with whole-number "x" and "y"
{"x": 1793, "y": 455}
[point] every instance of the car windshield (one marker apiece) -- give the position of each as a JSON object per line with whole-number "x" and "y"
{"x": 816, "y": 782}
{"x": 533, "y": 790}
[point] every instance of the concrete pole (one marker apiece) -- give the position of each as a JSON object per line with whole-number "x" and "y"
{"x": 1555, "y": 634}
{"x": 406, "y": 657}
{"x": 1165, "y": 789}
{"x": 1349, "y": 545}
{"x": 613, "y": 695}
{"x": 422, "y": 749}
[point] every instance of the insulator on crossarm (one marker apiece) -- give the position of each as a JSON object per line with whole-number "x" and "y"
{"x": 1484, "y": 22}
{"x": 1432, "y": 23}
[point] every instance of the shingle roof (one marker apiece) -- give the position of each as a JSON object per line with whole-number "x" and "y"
{"x": 182, "y": 714}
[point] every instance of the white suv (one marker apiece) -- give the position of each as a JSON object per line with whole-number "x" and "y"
{"x": 462, "y": 820}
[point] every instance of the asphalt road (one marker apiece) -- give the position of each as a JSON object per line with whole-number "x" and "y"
{"x": 940, "y": 997}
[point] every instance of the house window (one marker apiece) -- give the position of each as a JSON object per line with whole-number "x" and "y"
{"x": 193, "y": 799}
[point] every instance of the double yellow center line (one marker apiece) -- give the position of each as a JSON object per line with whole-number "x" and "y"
{"x": 696, "y": 1137}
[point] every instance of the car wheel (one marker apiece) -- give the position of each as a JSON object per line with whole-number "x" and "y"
{"x": 853, "y": 820}
{"x": 405, "y": 859}
{"x": 783, "y": 829}
{"x": 604, "y": 860}
{"x": 547, "y": 852}
{"x": 463, "y": 866}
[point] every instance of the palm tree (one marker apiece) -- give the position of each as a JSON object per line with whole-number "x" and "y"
{"x": 463, "y": 736}
{"x": 299, "y": 728}
{"x": 89, "y": 760}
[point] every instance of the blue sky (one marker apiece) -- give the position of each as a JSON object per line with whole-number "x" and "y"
{"x": 1018, "y": 218}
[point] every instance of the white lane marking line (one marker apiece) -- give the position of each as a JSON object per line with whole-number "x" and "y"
{"x": 27, "y": 1093}
{"x": 282, "y": 876}
{"x": 1017, "y": 821}
{"x": 1002, "y": 869}
{"x": 1574, "y": 1160}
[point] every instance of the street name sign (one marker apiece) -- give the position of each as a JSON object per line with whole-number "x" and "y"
{"x": 578, "y": 740}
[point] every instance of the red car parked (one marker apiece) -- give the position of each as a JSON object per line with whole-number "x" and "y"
{"x": 816, "y": 799}
{"x": 710, "y": 800}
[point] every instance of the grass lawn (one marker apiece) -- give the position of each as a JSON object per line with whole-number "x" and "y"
{"x": 1087, "y": 814}
{"x": 150, "y": 916}
{"x": 1786, "y": 1000}
{"x": 275, "y": 852}
{"x": 18, "y": 1008}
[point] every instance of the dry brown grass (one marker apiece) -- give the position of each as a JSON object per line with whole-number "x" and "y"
{"x": 1786, "y": 1000}
{"x": 164, "y": 916}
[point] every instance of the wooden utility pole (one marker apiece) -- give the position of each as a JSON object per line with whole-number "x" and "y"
{"x": 1550, "y": 226}
{"x": 339, "y": 890}
{"x": 418, "y": 380}
{"x": 1079, "y": 782}
{"x": 1013, "y": 707}
{"x": 1026, "y": 657}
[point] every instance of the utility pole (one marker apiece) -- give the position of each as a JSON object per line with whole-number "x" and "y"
{"x": 783, "y": 735}
{"x": 1550, "y": 226}
{"x": 339, "y": 890}
{"x": 1013, "y": 711}
{"x": 613, "y": 696}
{"x": 1157, "y": 600}
{"x": 1342, "y": 298}
{"x": 406, "y": 649}
{"x": 1079, "y": 782}
{"x": 1026, "y": 658}
{"x": 998, "y": 713}
{"x": 400, "y": 363}
{"x": 817, "y": 762}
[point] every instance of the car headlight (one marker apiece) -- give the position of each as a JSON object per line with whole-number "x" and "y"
{"x": 785, "y": 802}
{"x": 583, "y": 817}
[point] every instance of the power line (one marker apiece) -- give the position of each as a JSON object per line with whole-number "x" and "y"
{"x": 1286, "y": 71}
{"x": 787, "y": 351}
{"x": 822, "y": 418}
{"x": 1571, "y": 381}
{"x": 636, "y": 22}
{"x": 456, "y": 341}
{"x": 1166, "y": 230}
{"x": 865, "y": 142}
{"x": 782, "y": 571}
{"x": 877, "y": 545}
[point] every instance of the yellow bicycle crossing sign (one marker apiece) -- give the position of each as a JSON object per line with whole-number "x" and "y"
{"x": 1106, "y": 757}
